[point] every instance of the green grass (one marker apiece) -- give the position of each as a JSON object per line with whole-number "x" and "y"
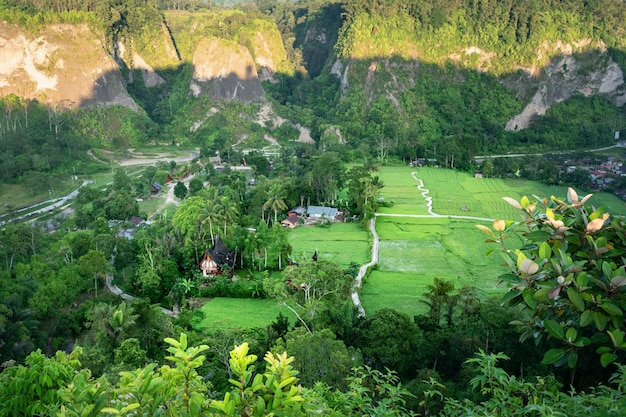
{"x": 19, "y": 196}
{"x": 482, "y": 197}
{"x": 342, "y": 243}
{"x": 414, "y": 251}
{"x": 241, "y": 313}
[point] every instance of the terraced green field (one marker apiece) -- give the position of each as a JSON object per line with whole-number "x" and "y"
{"x": 459, "y": 193}
{"x": 341, "y": 243}
{"x": 414, "y": 251}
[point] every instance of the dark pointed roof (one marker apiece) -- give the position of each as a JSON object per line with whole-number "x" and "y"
{"x": 220, "y": 254}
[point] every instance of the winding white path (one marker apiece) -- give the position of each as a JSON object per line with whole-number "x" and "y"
{"x": 117, "y": 291}
{"x": 375, "y": 242}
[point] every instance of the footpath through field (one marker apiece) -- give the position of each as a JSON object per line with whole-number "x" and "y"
{"x": 376, "y": 241}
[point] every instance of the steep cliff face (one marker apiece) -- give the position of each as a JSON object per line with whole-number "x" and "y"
{"x": 225, "y": 70}
{"x": 143, "y": 58}
{"x": 578, "y": 68}
{"x": 64, "y": 64}
{"x": 589, "y": 73}
{"x": 383, "y": 56}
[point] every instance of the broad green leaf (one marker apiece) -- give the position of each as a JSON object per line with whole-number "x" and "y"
{"x": 512, "y": 278}
{"x": 553, "y": 356}
{"x": 538, "y": 236}
{"x": 617, "y": 337}
{"x": 525, "y": 202}
{"x": 599, "y": 320}
{"x": 607, "y": 358}
{"x": 607, "y": 270}
{"x": 554, "y": 329}
{"x": 572, "y": 359}
{"x": 571, "y": 334}
{"x": 509, "y": 296}
{"x": 545, "y": 251}
{"x": 586, "y": 318}
{"x": 611, "y": 309}
{"x": 527, "y": 294}
{"x": 576, "y": 299}
{"x": 582, "y": 342}
{"x": 542, "y": 293}
{"x": 582, "y": 280}
{"x": 520, "y": 257}
{"x": 129, "y": 407}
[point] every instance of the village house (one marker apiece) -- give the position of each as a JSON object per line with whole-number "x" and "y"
{"x": 321, "y": 213}
{"x": 216, "y": 258}
{"x": 291, "y": 221}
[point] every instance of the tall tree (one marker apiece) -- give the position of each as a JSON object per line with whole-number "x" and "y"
{"x": 275, "y": 200}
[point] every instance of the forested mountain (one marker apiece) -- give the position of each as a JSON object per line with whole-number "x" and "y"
{"x": 444, "y": 80}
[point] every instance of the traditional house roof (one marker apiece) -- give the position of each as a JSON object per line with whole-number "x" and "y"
{"x": 216, "y": 257}
{"x": 291, "y": 221}
{"x": 318, "y": 212}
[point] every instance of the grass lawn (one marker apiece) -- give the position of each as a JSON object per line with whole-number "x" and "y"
{"x": 242, "y": 313}
{"x": 342, "y": 243}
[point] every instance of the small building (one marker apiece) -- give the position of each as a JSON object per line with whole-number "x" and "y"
{"x": 478, "y": 174}
{"x": 322, "y": 213}
{"x": 291, "y": 221}
{"x": 136, "y": 220}
{"x": 298, "y": 211}
{"x": 216, "y": 258}
{"x": 156, "y": 188}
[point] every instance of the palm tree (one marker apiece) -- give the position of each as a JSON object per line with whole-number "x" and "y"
{"x": 210, "y": 215}
{"x": 275, "y": 201}
{"x": 227, "y": 210}
{"x": 441, "y": 300}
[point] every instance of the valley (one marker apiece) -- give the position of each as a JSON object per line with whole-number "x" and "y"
{"x": 321, "y": 207}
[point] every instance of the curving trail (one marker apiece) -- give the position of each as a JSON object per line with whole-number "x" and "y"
{"x": 117, "y": 291}
{"x": 375, "y": 243}
{"x": 364, "y": 268}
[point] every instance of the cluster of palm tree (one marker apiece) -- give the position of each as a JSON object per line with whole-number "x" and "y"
{"x": 202, "y": 216}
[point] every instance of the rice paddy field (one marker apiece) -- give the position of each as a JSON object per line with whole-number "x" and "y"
{"x": 415, "y": 250}
{"x": 341, "y": 243}
{"x": 250, "y": 312}
{"x": 459, "y": 193}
